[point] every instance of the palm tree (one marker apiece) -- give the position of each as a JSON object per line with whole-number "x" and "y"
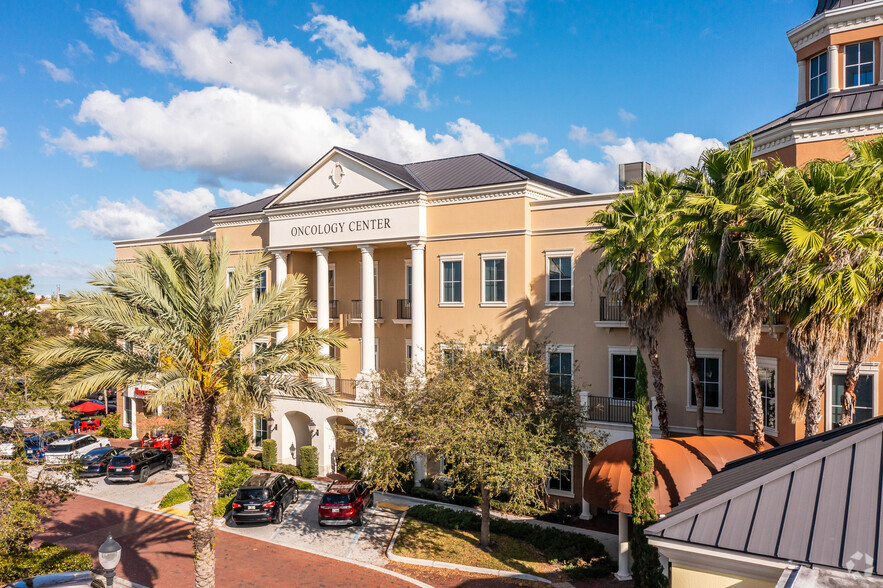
{"x": 192, "y": 338}
{"x": 823, "y": 256}
{"x": 641, "y": 251}
{"x": 722, "y": 193}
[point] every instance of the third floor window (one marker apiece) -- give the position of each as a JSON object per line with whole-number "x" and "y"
{"x": 859, "y": 64}
{"x": 560, "y": 279}
{"x": 818, "y": 75}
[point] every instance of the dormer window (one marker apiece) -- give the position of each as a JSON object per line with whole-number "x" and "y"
{"x": 860, "y": 64}
{"x": 818, "y": 75}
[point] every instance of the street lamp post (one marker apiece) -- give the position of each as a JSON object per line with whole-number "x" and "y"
{"x": 108, "y": 557}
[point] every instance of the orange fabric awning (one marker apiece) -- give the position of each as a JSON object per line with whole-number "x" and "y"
{"x": 682, "y": 464}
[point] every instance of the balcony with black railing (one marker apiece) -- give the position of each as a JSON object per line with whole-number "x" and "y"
{"x": 403, "y": 309}
{"x": 611, "y": 310}
{"x": 344, "y": 389}
{"x": 609, "y": 410}
{"x": 378, "y": 309}
{"x": 333, "y": 312}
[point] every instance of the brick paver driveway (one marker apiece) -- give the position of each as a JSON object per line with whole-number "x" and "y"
{"x": 157, "y": 551}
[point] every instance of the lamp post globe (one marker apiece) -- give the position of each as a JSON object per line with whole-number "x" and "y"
{"x": 109, "y": 557}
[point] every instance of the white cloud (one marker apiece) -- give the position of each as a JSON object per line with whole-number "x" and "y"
{"x": 146, "y": 54}
{"x": 237, "y": 197}
{"x": 182, "y": 206}
{"x": 582, "y": 136}
{"x": 119, "y": 220}
{"x": 78, "y": 49}
{"x": 626, "y": 116}
{"x": 3, "y": 141}
{"x": 530, "y": 139}
{"x": 443, "y": 51}
{"x": 460, "y": 18}
{"x": 259, "y": 141}
{"x": 6, "y": 248}
{"x": 673, "y": 153}
{"x": 213, "y": 12}
{"x": 15, "y": 220}
{"x": 63, "y": 103}
{"x": 58, "y": 74}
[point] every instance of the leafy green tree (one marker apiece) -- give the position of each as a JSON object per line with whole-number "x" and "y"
{"x": 490, "y": 414}
{"x": 722, "y": 200}
{"x": 199, "y": 327}
{"x": 646, "y": 569}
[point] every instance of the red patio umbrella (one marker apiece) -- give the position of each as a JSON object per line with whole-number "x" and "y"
{"x": 88, "y": 407}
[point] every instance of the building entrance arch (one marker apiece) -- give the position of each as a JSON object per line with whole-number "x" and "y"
{"x": 296, "y": 434}
{"x": 336, "y": 444}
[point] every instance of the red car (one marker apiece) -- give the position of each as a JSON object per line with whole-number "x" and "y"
{"x": 345, "y": 502}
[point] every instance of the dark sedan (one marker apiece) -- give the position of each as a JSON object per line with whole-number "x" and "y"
{"x": 136, "y": 465}
{"x": 96, "y": 461}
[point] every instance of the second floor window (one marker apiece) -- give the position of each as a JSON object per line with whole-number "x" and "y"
{"x": 622, "y": 375}
{"x": 766, "y": 374}
{"x": 560, "y": 279}
{"x": 260, "y": 286}
{"x": 494, "y": 280}
{"x": 710, "y": 376}
{"x": 452, "y": 281}
{"x": 818, "y": 75}
{"x": 560, "y": 372}
{"x": 859, "y": 64}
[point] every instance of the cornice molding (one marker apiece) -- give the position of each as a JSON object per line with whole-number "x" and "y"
{"x": 836, "y": 21}
{"x": 823, "y": 129}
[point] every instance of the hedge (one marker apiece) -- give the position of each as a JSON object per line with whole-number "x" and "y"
{"x": 232, "y": 478}
{"x": 309, "y": 461}
{"x": 580, "y": 555}
{"x": 246, "y": 460}
{"x": 287, "y": 469}
{"x": 222, "y": 506}
{"x": 176, "y": 495}
{"x": 46, "y": 559}
{"x": 268, "y": 453}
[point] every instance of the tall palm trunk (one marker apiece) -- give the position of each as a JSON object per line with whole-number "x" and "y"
{"x": 201, "y": 451}
{"x": 813, "y": 414}
{"x": 690, "y": 346}
{"x": 847, "y": 401}
{"x": 755, "y": 401}
{"x": 658, "y": 388}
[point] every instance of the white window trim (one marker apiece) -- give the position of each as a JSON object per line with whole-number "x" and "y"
{"x": 261, "y": 341}
{"x": 230, "y": 270}
{"x": 874, "y": 50}
{"x": 561, "y": 348}
{"x": 408, "y": 345}
{"x": 504, "y": 347}
{"x": 441, "y": 280}
{"x": 561, "y": 253}
{"x": 691, "y": 301}
{"x": 868, "y": 368}
{"x": 254, "y": 295}
{"x": 562, "y": 493}
{"x": 407, "y": 265}
{"x": 809, "y": 77}
{"x": 773, "y": 364}
{"x": 712, "y": 354}
{"x": 488, "y": 257}
{"x": 332, "y": 283}
{"x": 254, "y": 417}
{"x": 617, "y": 350}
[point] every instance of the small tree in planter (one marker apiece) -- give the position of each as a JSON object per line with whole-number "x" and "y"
{"x": 268, "y": 454}
{"x": 309, "y": 461}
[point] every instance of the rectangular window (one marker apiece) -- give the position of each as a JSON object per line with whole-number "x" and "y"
{"x": 622, "y": 375}
{"x": 766, "y": 373}
{"x": 860, "y": 64}
{"x": 864, "y": 398}
{"x": 408, "y": 281}
{"x": 563, "y": 482}
{"x": 450, "y": 352}
{"x": 452, "y": 281}
{"x": 559, "y": 362}
{"x": 493, "y": 280}
{"x": 332, "y": 283}
{"x": 230, "y": 272}
{"x": 710, "y": 376}
{"x": 409, "y": 355}
{"x": 260, "y": 346}
{"x": 818, "y": 75}
{"x": 559, "y": 270}
{"x": 260, "y": 285}
{"x": 693, "y": 292}
{"x": 260, "y": 430}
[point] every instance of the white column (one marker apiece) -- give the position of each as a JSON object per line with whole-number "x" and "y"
{"x": 833, "y": 68}
{"x": 586, "y": 514}
{"x": 880, "y": 61}
{"x": 367, "y": 309}
{"x": 134, "y": 435}
{"x": 418, "y": 304}
{"x": 623, "y": 573}
{"x": 419, "y": 468}
{"x": 323, "y": 311}
{"x": 801, "y": 81}
{"x": 280, "y": 274}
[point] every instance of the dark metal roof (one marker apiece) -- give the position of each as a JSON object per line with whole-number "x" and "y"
{"x": 396, "y": 170}
{"x": 249, "y": 207}
{"x": 817, "y": 501}
{"x": 861, "y": 99}
{"x": 826, "y": 5}
{"x": 198, "y": 225}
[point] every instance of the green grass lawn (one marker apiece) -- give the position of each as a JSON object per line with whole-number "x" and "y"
{"x": 424, "y": 541}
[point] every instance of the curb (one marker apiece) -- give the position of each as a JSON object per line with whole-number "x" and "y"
{"x": 431, "y": 563}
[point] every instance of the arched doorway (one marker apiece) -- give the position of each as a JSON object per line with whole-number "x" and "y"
{"x": 338, "y": 444}
{"x": 296, "y": 435}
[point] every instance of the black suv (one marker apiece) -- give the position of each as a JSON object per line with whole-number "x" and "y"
{"x": 96, "y": 461}
{"x": 263, "y": 497}
{"x": 136, "y": 465}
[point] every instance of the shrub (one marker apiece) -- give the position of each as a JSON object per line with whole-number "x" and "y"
{"x": 581, "y": 556}
{"x": 268, "y": 454}
{"x": 427, "y": 483}
{"x": 287, "y": 469}
{"x": 246, "y": 460}
{"x": 176, "y": 495}
{"x": 110, "y": 427}
{"x": 222, "y": 506}
{"x": 232, "y": 478}
{"x": 236, "y": 442}
{"x": 46, "y": 559}
{"x": 301, "y": 485}
{"x": 309, "y": 461}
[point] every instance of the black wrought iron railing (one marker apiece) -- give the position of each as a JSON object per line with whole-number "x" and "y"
{"x": 403, "y": 309}
{"x": 333, "y": 313}
{"x": 345, "y": 389}
{"x": 378, "y": 308}
{"x": 611, "y": 309}
{"x": 609, "y": 410}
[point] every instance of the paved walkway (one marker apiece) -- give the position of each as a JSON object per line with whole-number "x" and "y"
{"x": 157, "y": 551}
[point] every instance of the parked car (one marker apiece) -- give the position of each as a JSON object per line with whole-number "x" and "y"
{"x": 64, "y": 579}
{"x": 95, "y": 462}
{"x": 72, "y": 448}
{"x": 263, "y": 498}
{"x": 136, "y": 465}
{"x": 35, "y": 445}
{"x": 345, "y": 502}
{"x": 7, "y": 442}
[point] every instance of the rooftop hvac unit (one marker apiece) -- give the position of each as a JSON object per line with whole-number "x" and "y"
{"x": 633, "y": 173}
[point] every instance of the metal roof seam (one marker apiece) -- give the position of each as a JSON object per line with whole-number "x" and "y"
{"x": 815, "y": 510}
{"x": 753, "y": 516}
{"x": 723, "y": 523}
{"x": 846, "y": 508}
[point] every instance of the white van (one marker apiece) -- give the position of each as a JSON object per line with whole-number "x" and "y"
{"x": 72, "y": 448}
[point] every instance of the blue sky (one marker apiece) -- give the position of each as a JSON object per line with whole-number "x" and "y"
{"x": 120, "y": 119}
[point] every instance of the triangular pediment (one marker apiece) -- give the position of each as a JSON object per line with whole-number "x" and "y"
{"x": 336, "y": 175}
